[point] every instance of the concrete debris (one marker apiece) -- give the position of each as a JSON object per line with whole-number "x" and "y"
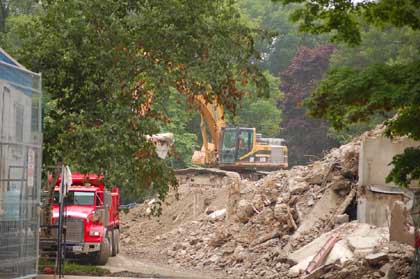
{"x": 322, "y": 254}
{"x": 218, "y": 214}
{"x": 377, "y": 259}
{"x": 244, "y": 211}
{"x": 341, "y": 219}
{"x": 270, "y": 228}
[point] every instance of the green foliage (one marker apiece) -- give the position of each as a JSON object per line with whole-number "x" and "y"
{"x": 261, "y": 113}
{"x": 406, "y": 167}
{"x": 179, "y": 113}
{"x": 350, "y": 131}
{"x": 109, "y": 65}
{"x": 279, "y": 51}
{"x": 343, "y": 18}
{"x": 350, "y": 95}
{"x": 378, "y": 78}
{"x": 10, "y": 8}
{"x": 380, "y": 46}
{"x": 392, "y": 47}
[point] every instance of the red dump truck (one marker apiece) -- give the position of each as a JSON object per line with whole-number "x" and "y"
{"x": 91, "y": 218}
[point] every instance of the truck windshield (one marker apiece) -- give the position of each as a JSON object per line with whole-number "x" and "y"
{"x": 76, "y": 198}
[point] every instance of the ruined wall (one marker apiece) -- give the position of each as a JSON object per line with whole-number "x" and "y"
{"x": 375, "y": 155}
{"x": 375, "y": 208}
{"x": 376, "y": 197}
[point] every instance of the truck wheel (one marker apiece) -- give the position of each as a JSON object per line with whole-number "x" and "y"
{"x": 114, "y": 249}
{"x": 104, "y": 252}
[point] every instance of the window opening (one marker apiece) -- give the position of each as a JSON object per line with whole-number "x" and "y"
{"x": 19, "y": 113}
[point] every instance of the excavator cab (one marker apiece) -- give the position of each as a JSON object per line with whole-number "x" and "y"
{"x": 236, "y": 142}
{"x": 244, "y": 149}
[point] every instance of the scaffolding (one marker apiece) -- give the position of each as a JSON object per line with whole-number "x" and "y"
{"x": 20, "y": 168}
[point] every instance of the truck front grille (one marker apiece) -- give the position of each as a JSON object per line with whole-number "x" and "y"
{"x": 75, "y": 230}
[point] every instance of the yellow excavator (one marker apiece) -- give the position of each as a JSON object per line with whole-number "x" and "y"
{"x": 235, "y": 148}
{"x": 232, "y": 149}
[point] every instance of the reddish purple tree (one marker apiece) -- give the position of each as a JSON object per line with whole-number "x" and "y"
{"x": 306, "y": 137}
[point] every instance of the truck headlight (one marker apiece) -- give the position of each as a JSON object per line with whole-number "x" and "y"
{"x": 94, "y": 233}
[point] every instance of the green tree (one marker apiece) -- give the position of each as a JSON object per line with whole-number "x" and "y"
{"x": 279, "y": 51}
{"x": 180, "y": 114}
{"x": 388, "y": 45}
{"x": 13, "y": 8}
{"x": 261, "y": 113}
{"x": 344, "y": 19}
{"x": 109, "y": 65}
{"x": 350, "y": 95}
{"x": 379, "y": 46}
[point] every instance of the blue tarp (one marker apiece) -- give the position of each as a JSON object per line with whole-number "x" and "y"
{"x": 6, "y": 59}
{"x": 16, "y": 74}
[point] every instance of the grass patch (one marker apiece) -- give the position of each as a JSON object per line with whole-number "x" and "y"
{"x": 74, "y": 268}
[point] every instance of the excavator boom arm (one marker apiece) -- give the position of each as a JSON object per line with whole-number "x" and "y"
{"x": 213, "y": 115}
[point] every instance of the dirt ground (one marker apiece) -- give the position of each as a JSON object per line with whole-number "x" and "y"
{"x": 143, "y": 237}
{"x": 125, "y": 265}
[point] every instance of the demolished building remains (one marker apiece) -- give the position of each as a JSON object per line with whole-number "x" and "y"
{"x": 306, "y": 222}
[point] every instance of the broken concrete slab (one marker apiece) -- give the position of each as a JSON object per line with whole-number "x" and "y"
{"x": 355, "y": 236}
{"x": 377, "y": 259}
{"x": 340, "y": 252}
{"x": 364, "y": 245}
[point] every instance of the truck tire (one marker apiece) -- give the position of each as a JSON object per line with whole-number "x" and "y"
{"x": 114, "y": 250}
{"x": 101, "y": 258}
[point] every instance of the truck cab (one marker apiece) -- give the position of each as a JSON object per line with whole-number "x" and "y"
{"x": 91, "y": 218}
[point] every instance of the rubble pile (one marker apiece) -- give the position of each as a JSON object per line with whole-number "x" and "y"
{"x": 394, "y": 263}
{"x": 142, "y": 232}
{"x": 273, "y": 221}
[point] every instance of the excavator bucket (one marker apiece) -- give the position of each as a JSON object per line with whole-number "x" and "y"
{"x": 163, "y": 143}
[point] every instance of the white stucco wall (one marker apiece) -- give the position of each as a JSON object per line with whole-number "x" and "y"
{"x": 375, "y": 155}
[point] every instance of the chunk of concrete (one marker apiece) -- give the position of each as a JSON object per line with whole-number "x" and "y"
{"x": 340, "y": 252}
{"x": 377, "y": 259}
{"x": 244, "y": 211}
{"x": 364, "y": 245}
{"x": 218, "y": 214}
{"x": 353, "y": 236}
{"x": 341, "y": 219}
{"x": 297, "y": 186}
